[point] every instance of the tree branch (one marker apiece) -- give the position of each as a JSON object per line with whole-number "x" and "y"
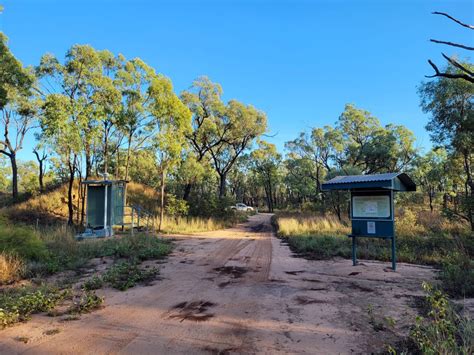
{"x": 471, "y": 27}
{"x": 438, "y": 73}
{"x": 453, "y": 44}
{"x": 457, "y": 64}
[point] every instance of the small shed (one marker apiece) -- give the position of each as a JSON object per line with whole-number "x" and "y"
{"x": 105, "y": 206}
{"x": 372, "y": 204}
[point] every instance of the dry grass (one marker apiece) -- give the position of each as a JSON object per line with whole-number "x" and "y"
{"x": 183, "y": 225}
{"x": 310, "y": 225}
{"x": 51, "y": 207}
{"x": 48, "y": 208}
{"x": 12, "y": 268}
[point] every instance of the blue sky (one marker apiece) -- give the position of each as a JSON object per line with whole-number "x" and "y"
{"x": 299, "y": 61}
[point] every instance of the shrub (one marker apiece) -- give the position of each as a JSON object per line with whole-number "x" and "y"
{"x": 176, "y": 207}
{"x": 87, "y": 302}
{"x": 12, "y": 268}
{"x": 139, "y": 247}
{"x": 23, "y": 241}
{"x": 18, "y": 305}
{"x": 407, "y": 224}
{"x": 443, "y": 331}
{"x": 457, "y": 275}
{"x": 125, "y": 275}
{"x": 94, "y": 283}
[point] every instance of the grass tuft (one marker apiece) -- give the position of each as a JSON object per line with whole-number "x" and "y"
{"x": 12, "y": 268}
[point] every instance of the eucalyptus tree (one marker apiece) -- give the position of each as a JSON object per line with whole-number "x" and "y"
{"x": 171, "y": 123}
{"x": 371, "y": 147}
{"x": 134, "y": 79}
{"x": 239, "y": 127}
{"x": 19, "y": 106}
{"x": 450, "y": 104}
{"x": 41, "y": 155}
{"x": 265, "y": 161}
{"x": 431, "y": 174}
{"x": 222, "y": 131}
{"x": 79, "y": 95}
{"x": 204, "y": 100}
{"x": 318, "y": 151}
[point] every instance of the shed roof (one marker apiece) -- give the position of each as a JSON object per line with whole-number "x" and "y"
{"x": 387, "y": 181}
{"x": 103, "y": 182}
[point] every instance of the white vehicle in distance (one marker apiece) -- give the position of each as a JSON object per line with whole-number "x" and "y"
{"x": 241, "y": 207}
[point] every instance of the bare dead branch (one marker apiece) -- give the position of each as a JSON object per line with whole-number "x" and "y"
{"x": 438, "y": 73}
{"x": 471, "y": 27}
{"x": 453, "y": 44}
{"x": 458, "y": 65}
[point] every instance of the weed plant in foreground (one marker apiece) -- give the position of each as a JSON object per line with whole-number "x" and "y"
{"x": 30, "y": 253}
{"x": 18, "y": 304}
{"x": 441, "y": 330}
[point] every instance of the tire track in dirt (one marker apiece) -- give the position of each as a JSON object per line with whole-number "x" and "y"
{"x": 237, "y": 290}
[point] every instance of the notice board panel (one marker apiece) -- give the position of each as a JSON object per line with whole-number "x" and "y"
{"x": 368, "y": 207}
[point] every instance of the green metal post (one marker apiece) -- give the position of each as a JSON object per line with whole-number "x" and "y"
{"x": 354, "y": 251}
{"x": 394, "y": 254}
{"x": 394, "y": 247}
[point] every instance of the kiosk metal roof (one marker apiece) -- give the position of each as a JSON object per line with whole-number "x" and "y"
{"x": 103, "y": 182}
{"x": 387, "y": 181}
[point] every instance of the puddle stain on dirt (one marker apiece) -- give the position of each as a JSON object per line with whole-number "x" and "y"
{"x": 195, "y": 311}
{"x": 234, "y": 271}
{"x": 262, "y": 228}
{"x": 303, "y": 300}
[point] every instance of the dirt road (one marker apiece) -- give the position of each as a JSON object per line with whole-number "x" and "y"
{"x": 239, "y": 290}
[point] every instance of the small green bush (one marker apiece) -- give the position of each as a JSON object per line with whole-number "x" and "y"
{"x": 139, "y": 247}
{"x": 457, "y": 275}
{"x": 125, "y": 274}
{"x": 18, "y": 305}
{"x": 94, "y": 283}
{"x": 22, "y": 241}
{"x": 320, "y": 247}
{"x": 87, "y": 302}
{"x": 442, "y": 331}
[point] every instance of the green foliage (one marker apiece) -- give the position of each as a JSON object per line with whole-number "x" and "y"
{"x": 457, "y": 274}
{"x": 443, "y": 331}
{"x": 5, "y": 175}
{"x": 86, "y": 302}
{"x": 12, "y": 74}
{"x": 324, "y": 237}
{"x": 55, "y": 249}
{"x": 451, "y": 106}
{"x": 28, "y": 177}
{"x": 139, "y": 247}
{"x": 94, "y": 283}
{"x": 18, "y": 305}
{"x": 125, "y": 274}
{"x": 223, "y": 131}
{"x": 265, "y": 162}
{"x": 321, "y": 246}
{"x": 23, "y": 241}
{"x": 176, "y": 207}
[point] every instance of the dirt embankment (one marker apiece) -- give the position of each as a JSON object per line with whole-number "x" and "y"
{"x": 240, "y": 290}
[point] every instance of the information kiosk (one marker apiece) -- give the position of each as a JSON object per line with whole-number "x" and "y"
{"x": 372, "y": 205}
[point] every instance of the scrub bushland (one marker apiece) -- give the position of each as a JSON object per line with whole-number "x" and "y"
{"x": 421, "y": 239}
